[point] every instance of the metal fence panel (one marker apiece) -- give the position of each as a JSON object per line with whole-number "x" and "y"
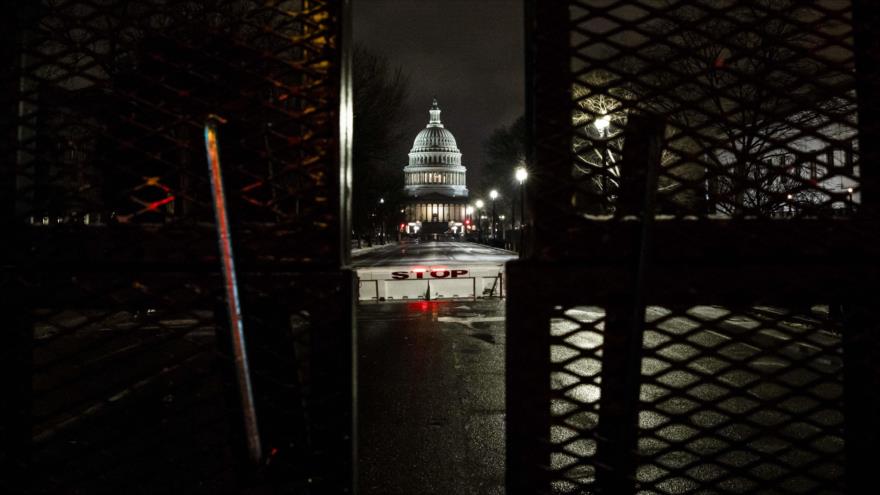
{"x": 111, "y": 277}
{"x": 704, "y": 249}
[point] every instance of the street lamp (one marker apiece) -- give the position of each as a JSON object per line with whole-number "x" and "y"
{"x": 479, "y": 203}
{"x": 602, "y": 124}
{"x": 502, "y": 217}
{"x": 494, "y": 195}
{"x": 381, "y": 221}
{"x": 521, "y": 175}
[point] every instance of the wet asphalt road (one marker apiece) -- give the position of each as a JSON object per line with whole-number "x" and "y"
{"x": 430, "y": 252}
{"x": 747, "y": 360}
{"x": 431, "y": 397}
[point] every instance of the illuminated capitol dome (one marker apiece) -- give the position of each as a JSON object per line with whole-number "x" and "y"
{"x": 436, "y": 190}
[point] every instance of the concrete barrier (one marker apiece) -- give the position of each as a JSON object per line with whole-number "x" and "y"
{"x": 430, "y": 282}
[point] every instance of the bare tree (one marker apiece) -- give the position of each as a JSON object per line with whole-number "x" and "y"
{"x": 599, "y": 118}
{"x": 380, "y": 94}
{"x": 739, "y": 86}
{"x": 504, "y": 151}
{"x": 748, "y": 85}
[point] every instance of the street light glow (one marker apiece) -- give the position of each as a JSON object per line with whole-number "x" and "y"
{"x": 479, "y": 203}
{"x": 493, "y": 194}
{"x": 521, "y": 174}
{"x": 602, "y": 123}
{"x": 381, "y": 201}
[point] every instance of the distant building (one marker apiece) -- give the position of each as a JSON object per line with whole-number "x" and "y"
{"x": 435, "y": 182}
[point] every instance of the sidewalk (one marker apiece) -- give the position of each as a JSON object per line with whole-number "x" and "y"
{"x": 365, "y": 249}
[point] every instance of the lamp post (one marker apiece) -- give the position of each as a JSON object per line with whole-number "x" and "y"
{"x": 521, "y": 175}
{"x": 494, "y": 195}
{"x": 602, "y": 124}
{"x": 479, "y": 204}
{"x": 503, "y": 232}
{"x": 381, "y": 221}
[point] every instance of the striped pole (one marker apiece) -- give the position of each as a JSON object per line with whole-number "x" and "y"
{"x": 233, "y": 304}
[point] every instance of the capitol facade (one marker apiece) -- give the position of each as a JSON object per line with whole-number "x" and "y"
{"x": 435, "y": 182}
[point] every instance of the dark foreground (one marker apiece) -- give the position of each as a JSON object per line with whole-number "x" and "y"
{"x": 431, "y": 405}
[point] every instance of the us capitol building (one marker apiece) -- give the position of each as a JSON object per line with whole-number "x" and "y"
{"x": 435, "y": 182}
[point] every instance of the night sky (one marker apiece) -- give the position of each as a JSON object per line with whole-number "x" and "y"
{"x": 469, "y": 53}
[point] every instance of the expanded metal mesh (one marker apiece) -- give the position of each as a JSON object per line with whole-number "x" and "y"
{"x": 733, "y": 401}
{"x": 758, "y": 99}
{"x": 740, "y": 401}
{"x": 112, "y": 103}
{"x": 703, "y": 252}
{"x": 111, "y": 270}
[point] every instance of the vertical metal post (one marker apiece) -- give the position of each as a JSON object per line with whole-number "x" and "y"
{"x": 616, "y": 454}
{"x": 527, "y": 387}
{"x": 479, "y": 226}
{"x": 606, "y": 197}
{"x": 494, "y": 221}
{"x": 16, "y": 365}
{"x": 233, "y": 305}
{"x": 861, "y": 342}
{"x": 511, "y": 240}
{"x": 548, "y": 101}
{"x": 26, "y": 133}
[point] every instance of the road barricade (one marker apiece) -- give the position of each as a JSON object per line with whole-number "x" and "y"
{"x": 394, "y": 283}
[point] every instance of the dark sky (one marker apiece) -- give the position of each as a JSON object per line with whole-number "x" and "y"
{"x": 469, "y": 53}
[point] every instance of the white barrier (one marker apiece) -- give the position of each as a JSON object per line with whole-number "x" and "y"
{"x": 430, "y": 282}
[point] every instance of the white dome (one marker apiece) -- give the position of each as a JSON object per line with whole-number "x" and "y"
{"x": 434, "y": 139}
{"x": 435, "y": 145}
{"x": 435, "y": 162}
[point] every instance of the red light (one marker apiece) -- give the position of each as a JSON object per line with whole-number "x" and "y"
{"x": 403, "y": 225}
{"x": 419, "y": 269}
{"x": 467, "y": 221}
{"x": 421, "y": 306}
{"x": 156, "y": 204}
{"x": 425, "y": 306}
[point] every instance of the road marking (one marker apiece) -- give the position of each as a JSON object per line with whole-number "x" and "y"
{"x": 469, "y": 321}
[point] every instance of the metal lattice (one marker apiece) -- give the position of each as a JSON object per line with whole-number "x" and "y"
{"x": 111, "y": 270}
{"x": 729, "y": 401}
{"x": 758, "y": 99}
{"x": 695, "y": 312}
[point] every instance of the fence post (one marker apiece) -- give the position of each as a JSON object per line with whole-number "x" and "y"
{"x": 861, "y": 342}
{"x": 624, "y": 326}
{"x": 527, "y": 363}
{"x": 16, "y": 363}
{"x": 548, "y": 96}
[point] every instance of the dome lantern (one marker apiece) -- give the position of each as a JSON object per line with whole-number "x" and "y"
{"x": 435, "y": 115}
